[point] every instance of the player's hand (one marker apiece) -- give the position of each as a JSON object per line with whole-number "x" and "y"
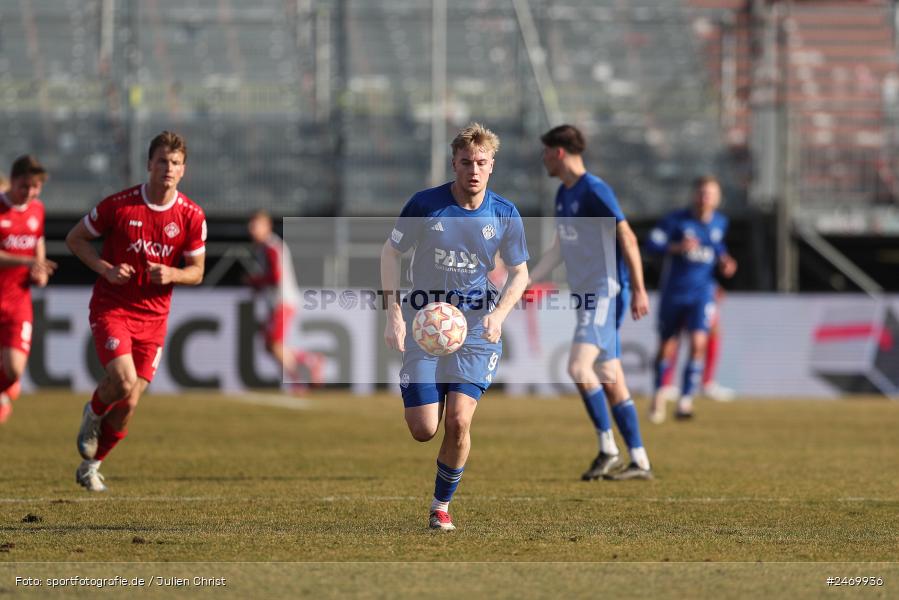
{"x": 493, "y": 327}
{"x": 160, "y": 274}
{"x": 689, "y": 244}
{"x": 728, "y": 266}
{"x": 639, "y": 304}
{"x": 395, "y": 331}
{"x": 40, "y": 272}
{"x": 119, "y": 274}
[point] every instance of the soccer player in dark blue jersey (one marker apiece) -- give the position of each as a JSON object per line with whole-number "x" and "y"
{"x": 601, "y": 274}
{"x": 692, "y": 241}
{"x": 454, "y": 231}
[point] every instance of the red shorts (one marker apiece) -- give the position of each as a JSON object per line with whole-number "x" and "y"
{"x": 277, "y": 327}
{"x": 141, "y": 338}
{"x": 15, "y": 326}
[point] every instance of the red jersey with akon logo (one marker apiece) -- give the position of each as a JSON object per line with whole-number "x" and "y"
{"x": 137, "y": 232}
{"x": 20, "y": 229}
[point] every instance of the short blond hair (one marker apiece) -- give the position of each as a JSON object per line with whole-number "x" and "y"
{"x": 477, "y": 136}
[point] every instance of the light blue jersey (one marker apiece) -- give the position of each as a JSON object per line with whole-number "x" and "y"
{"x": 454, "y": 249}
{"x": 592, "y": 257}
{"x": 597, "y": 274}
{"x": 690, "y": 277}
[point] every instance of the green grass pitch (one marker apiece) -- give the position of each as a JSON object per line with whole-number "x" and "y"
{"x": 328, "y": 496}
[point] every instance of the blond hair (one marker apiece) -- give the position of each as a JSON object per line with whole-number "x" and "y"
{"x": 477, "y": 136}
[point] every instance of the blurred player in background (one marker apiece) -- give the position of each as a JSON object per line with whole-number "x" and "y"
{"x": 596, "y": 277}
{"x": 147, "y": 231}
{"x": 276, "y": 278}
{"x": 442, "y": 224}
{"x": 23, "y": 263}
{"x": 710, "y": 387}
{"x": 692, "y": 240}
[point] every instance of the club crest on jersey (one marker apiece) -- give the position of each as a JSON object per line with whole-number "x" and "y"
{"x": 112, "y": 343}
{"x": 172, "y": 230}
{"x": 574, "y": 206}
{"x": 489, "y": 231}
{"x": 32, "y": 223}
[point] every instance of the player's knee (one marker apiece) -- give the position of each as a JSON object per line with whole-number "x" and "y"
{"x": 124, "y": 385}
{"x": 13, "y": 371}
{"x": 457, "y": 427}
{"x": 579, "y": 372}
{"x": 422, "y": 432}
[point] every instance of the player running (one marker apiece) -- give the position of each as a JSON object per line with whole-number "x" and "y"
{"x": 277, "y": 280}
{"x": 596, "y": 277}
{"x": 454, "y": 230}
{"x": 147, "y": 231}
{"x": 692, "y": 240}
{"x": 23, "y": 263}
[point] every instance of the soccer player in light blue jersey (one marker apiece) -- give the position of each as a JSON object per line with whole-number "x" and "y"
{"x": 602, "y": 275}
{"x": 692, "y": 241}
{"x": 454, "y": 231}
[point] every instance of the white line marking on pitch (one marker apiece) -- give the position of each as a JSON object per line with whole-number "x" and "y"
{"x": 669, "y": 500}
{"x": 276, "y": 400}
{"x": 355, "y": 498}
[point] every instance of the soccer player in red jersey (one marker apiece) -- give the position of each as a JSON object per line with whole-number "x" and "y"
{"x": 276, "y": 279}
{"x": 147, "y": 231}
{"x": 23, "y": 263}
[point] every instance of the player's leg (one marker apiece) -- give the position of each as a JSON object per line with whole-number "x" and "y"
{"x": 670, "y": 320}
{"x": 117, "y": 385}
{"x": 12, "y": 365}
{"x": 581, "y": 363}
{"x": 15, "y": 341}
{"x": 666, "y": 357}
{"x": 699, "y": 321}
{"x": 710, "y": 387}
{"x": 423, "y": 396}
{"x": 462, "y": 400}
{"x": 96, "y": 437}
{"x": 468, "y": 373}
{"x": 596, "y": 329}
{"x": 625, "y": 413}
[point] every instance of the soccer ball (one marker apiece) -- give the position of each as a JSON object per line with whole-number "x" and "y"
{"x": 439, "y": 328}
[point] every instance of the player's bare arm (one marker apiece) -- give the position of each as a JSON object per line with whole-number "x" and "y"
{"x": 395, "y": 331}
{"x": 190, "y": 274}
{"x": 630, "y": 247}
{"x": 78, "y": 241}
{"x": 515, "y": 286}
{"x": 551, "y": 259}
{"x": 41, "y": 268}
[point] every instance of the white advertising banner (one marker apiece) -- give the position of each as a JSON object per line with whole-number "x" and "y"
{"x": 772, "y": 345}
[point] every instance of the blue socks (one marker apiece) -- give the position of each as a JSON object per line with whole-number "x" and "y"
{"x": 446, "y": 482}
{"x": 661, "y": 367}
{"x": 692, "y": 377}
{"x": 595, "y": 403}
{"x": 626, "y": 419}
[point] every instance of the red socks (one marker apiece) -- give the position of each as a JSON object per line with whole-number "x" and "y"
{"x": 97, "y": 405}
{"x": 108, "y": 440}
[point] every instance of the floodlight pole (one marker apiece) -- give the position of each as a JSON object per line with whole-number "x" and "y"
{"x": 438, "y": 93}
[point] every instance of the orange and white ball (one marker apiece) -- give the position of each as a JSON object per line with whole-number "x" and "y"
{"x": 439, "y": 328}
